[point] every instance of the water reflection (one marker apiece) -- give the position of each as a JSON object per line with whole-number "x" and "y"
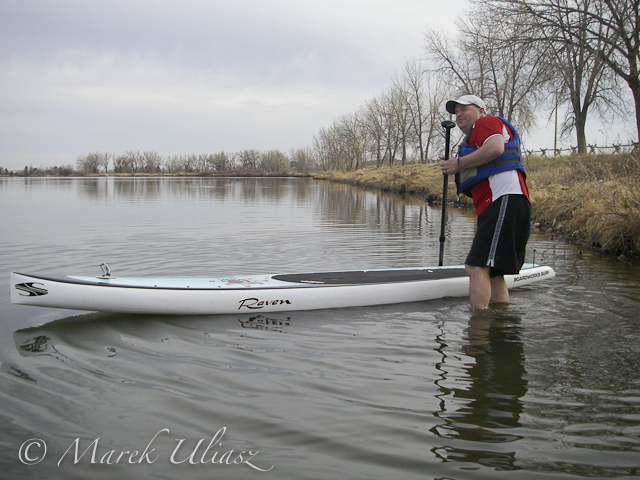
{"x": 34, "y": 345}
{"x": 338, "y": 204}
{"x": 181, "y": 188}
{"x": 260, "y": 322}
{"x": 103, "y": 332}
{"x": 480, "y": 400}
{"x": 229, "y": 221}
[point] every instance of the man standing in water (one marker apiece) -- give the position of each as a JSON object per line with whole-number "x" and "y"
{"x": 489, "y": 169}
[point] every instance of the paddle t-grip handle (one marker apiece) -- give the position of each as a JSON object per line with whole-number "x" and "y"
{"x": 447, "y": 125}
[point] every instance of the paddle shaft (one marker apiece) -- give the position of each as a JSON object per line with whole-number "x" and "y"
{"x": 447, "y": 125}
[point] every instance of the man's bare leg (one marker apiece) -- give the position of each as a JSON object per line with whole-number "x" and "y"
{"x": 499, "y": 291}
{"x": 479, "y": 286}
{"x": 485, "y": 290}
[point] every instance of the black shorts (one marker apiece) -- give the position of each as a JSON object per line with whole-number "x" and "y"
{"x": 501, "y": 237}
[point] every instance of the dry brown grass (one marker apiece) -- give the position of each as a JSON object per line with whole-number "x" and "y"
{"x": 593, "y": 200}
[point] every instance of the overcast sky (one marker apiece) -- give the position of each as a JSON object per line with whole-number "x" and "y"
{"x": 194, "y": 76}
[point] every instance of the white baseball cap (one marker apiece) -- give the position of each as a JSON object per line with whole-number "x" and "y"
{"x": 465, "y": 100}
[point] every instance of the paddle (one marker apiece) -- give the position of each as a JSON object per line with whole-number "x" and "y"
{"x": 447, "y": 125}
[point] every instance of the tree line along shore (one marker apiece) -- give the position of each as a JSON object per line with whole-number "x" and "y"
{"x": 590, "y": 200}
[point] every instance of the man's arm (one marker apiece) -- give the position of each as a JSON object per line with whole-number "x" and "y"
{"x": 491, "y": 149}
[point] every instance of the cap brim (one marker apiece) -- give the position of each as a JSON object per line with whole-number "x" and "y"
{"x": 451, "y": 106}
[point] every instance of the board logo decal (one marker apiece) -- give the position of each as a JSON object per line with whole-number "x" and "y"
{"x": 30, "y": 289}
{"x": 245, "y": 282}
{"x": 256, "y": 304}
{"x": 530, "y": 276}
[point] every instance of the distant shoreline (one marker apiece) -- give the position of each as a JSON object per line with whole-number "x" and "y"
{"x": 166, "y": 175}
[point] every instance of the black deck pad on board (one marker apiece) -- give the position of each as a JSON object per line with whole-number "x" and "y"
{"x": 373, "y": 276}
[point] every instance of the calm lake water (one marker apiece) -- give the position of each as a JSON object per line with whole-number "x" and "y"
{"x": 548, "y": 388}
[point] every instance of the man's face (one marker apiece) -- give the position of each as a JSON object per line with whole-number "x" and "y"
{"x": 466, "y": 116}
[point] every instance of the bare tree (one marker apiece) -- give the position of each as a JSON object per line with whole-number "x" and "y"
{"x": 486, "y": 61}
{"x": 151, "y": 161}
{"x": 173, "y": 164}
{"x": 249, "y": 159}
{"x": 274, "y": 161}
{"x": 132, "y": 162}
{"x": 426, "y": 92}
{"x": 391, "y": 138}
{"x": 203, "y": 162}
{"x": 303, "y": 160}
{"x": 583, "y": 80}
{"x": 373, "y": 122}
{"x": 609, "y": 29}
{"x": 464, "y": 68}
{"x": 440, "y": 91}
{"x": 332, "y": 148}
{"x": 90, "y": 163}
{"x": 323, "y": 146}
{"x": 401, "y": 110}
{"x": 414, "y": 83}
{"x": 104, "y": 159}
{"x": 190, "y": 163}
{"x": 352, "y": 135}
{"x": 517, "y": 73}
{"x": 221, "y": 161}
